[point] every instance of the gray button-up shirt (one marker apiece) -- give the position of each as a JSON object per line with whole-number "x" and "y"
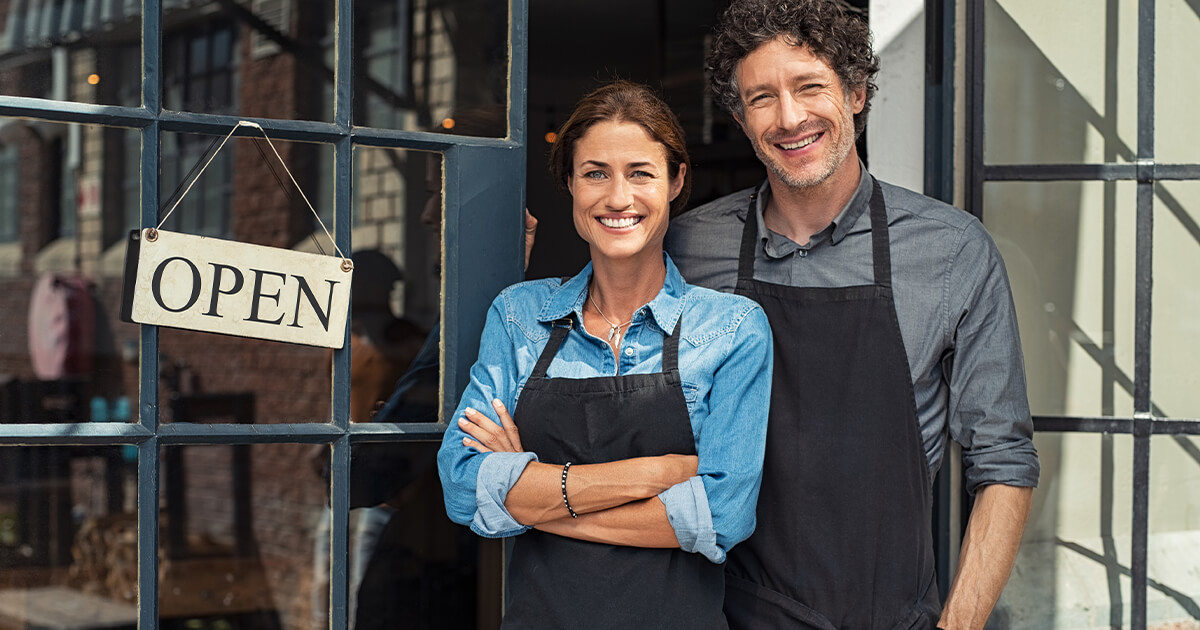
{"x": 952, "y": 297}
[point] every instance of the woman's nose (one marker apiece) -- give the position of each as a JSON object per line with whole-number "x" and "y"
{"x": 620, "y": 194}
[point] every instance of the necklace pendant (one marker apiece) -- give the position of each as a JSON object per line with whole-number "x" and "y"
{"x": 612, "y": 332}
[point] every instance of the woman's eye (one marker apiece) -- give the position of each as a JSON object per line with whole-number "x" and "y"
{"x": 594, "y": 175}
{"x": 639, "y": 174}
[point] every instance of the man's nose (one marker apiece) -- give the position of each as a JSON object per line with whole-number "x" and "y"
{"x": 791, "y": 113}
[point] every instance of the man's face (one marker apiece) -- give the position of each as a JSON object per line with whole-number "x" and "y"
{"x": 796, "y": 113}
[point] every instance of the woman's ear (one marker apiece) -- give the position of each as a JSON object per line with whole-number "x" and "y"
{"x": 677, "y": 183}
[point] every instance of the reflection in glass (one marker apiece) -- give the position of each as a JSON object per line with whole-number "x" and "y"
{"x": 1057, "y": 91}
{"x": 419, "y": 63}
{"x": 68, "y": 195}
{"x": 1069, "y": 251}
{"x": 1174, "y": 543}
{"x": 1072, "y": 570}
{"x": 68, "y": 536}
{"x": 69, "y": 51}
{"x": 397, "y": 286}
{"x": 237, "y": 536}
{"x": 408, "y": 565}
{"x": 254, "y": 58}
{"x": 1177, "y": 44}
{"x": 1174, "y": 334}
{"x": 245, "y": 195}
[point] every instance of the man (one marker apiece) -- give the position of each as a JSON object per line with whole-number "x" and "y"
{"x": 894, "y": 325}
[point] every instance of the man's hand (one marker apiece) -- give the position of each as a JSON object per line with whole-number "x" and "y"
{"x": 530, "y": 234}
{"x": 988, "y": 551}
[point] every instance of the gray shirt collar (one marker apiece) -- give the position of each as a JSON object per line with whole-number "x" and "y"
{"x": 779, "y": 246}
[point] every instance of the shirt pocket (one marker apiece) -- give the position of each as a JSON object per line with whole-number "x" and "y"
{"x": 691, "y": 394}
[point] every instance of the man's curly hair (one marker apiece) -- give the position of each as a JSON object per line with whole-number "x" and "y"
{"x": 836, "y": 33}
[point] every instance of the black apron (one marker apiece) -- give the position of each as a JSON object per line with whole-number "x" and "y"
{"x": 843, "y": 540}
{"x": 558, "y": 582}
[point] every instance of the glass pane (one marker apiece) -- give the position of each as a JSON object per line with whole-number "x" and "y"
{"x": 1177, "y": 44}
{"x": 397, "y": 286}
{"x": 427, "y": 65}
{"x": 245, "y": 195}
{"x": 68, "y": 537}
{"x": 66, "y": 196}
{"x": 71, "y": 51}
{"x": 1072, "y": 570}
{"x": 1069, "y": 251}
{"x": 1174, "y": 545}
{"x": 408, "y": 564}
{"x": 1061, "y": 82}
{"x": 1175, "y": 335}
{"x": 238, "y": 539}
{"x": 254, "y": 58}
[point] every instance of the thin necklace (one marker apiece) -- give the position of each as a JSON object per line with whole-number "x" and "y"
{"x": 612, "y": 328}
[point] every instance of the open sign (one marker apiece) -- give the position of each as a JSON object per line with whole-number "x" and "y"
{"x": 214, "y": 285}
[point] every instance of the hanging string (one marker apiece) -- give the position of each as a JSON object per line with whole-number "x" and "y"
{"x": 278, "y": 180}
{"x": 247, "y": 123}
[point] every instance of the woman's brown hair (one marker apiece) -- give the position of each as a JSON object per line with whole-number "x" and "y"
{"x": 624, "y": 101}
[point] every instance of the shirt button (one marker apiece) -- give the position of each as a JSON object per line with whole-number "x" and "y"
{"x": 803, "y": 252}
{"x": 628, "y": 352}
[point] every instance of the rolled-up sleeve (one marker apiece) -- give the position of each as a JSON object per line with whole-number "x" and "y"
{"x": 475, "y": 484}
{"x": 989, "y": 407}
{"x": 715, "y": 510}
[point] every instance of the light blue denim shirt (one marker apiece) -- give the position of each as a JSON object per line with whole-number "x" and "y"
{"x": 725, "y": 365}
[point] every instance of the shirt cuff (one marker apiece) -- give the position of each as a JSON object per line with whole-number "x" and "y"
{"x": 690, "y": 517}
{"x": 497, "y": 474}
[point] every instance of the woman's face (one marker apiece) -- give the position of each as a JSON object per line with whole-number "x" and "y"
{"x": 621, "y": 190}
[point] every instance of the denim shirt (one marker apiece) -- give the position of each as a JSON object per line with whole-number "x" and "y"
{"x": 725, "y": 365}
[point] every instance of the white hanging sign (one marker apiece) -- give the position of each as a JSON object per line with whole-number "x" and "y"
{"x": 214, "y": 285}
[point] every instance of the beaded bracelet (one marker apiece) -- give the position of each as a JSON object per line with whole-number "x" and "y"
{"x": 567, "y": 503}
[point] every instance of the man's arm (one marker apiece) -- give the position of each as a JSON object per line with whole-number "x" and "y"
{"x": 988, "y": 551}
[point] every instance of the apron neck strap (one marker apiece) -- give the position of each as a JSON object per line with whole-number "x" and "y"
{"x": 880, "y": 244}
{"x": 557, "y": 334}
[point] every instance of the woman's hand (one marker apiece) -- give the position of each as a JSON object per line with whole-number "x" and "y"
{"x": 488, "y": 436}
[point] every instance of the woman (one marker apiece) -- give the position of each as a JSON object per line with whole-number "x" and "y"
{"x": 641, "y": 401}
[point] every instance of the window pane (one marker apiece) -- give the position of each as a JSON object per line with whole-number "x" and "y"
{"x": 245, "y": 197}
{"x": 1072, "y": 570}
{"x": 1069, "y": 251}
{"x": 66, "y": 195}
{"x": 260, "y": 58}
{"x": 408, "y": 564}
{"x": 1174, "y": 531}
{"x": 1061, "y": 82}
{"x": 1175, "y": 330}
{"x": 68, "y": 536}
{"x": 69, "y": 51}
{"x": 1177, "y": 43}
{"x": 421, "y": 64}
{"x": 238, "y": 535}
{"x": 397, "y": 286}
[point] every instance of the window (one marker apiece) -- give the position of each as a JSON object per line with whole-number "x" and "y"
{"x": 1074, "y": 158}
{"x": 10, "y": 198}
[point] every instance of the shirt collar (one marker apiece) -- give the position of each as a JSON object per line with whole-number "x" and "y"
{"x": 665, "y": 308}
{"x": 841, "y": 224}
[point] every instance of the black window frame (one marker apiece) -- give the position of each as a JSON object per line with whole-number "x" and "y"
{"x": 484, "y": 200}
{"x": 1145, "y": 171}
